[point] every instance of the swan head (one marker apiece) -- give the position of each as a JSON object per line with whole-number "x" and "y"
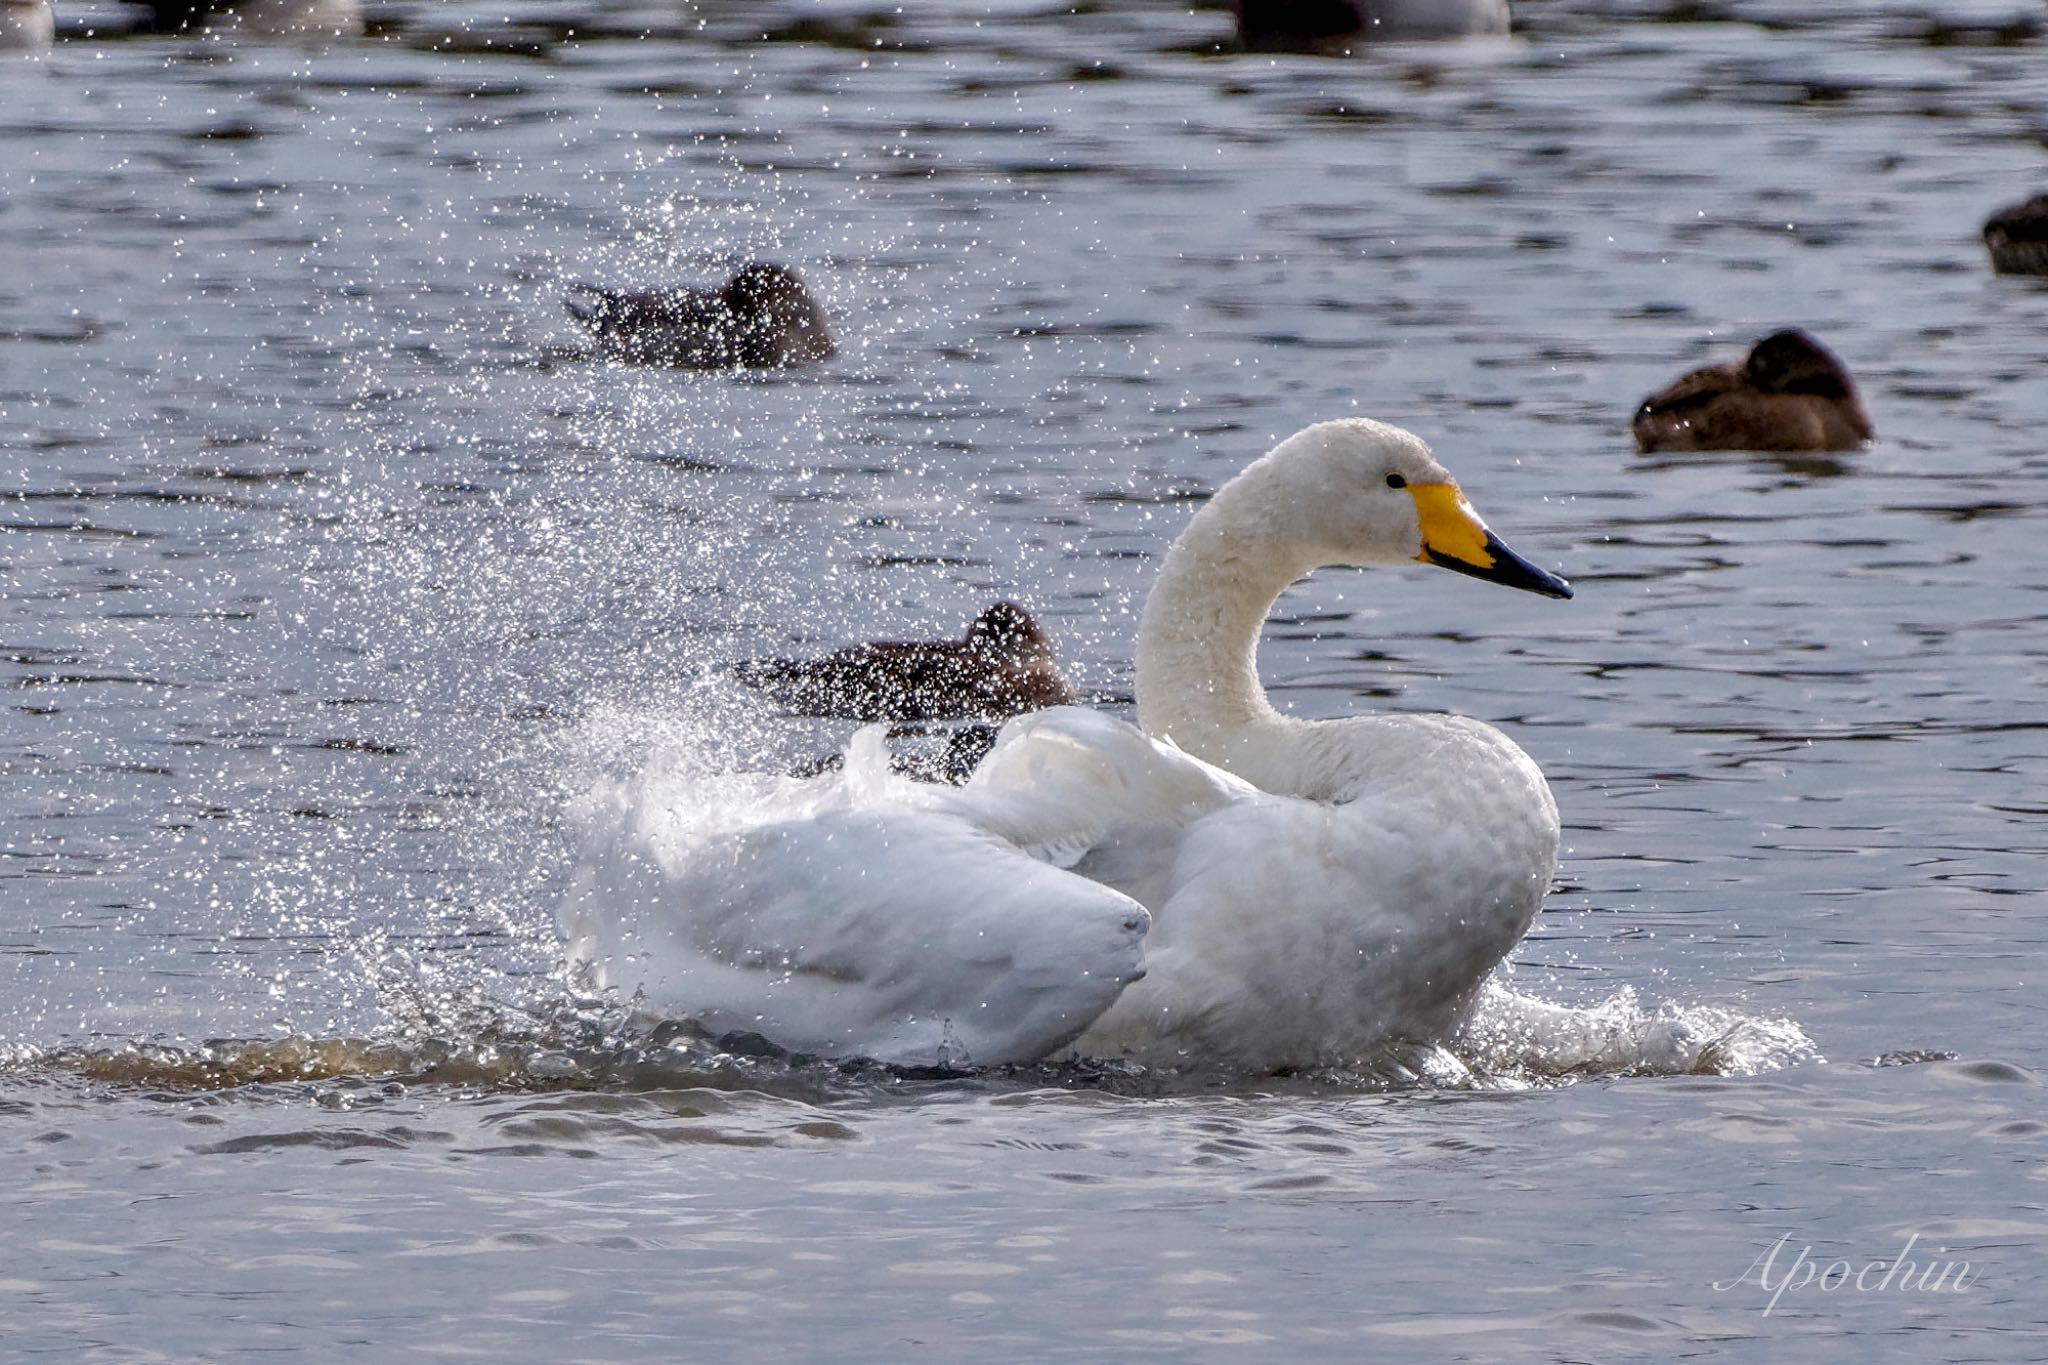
{"x": 1361, "y": 492}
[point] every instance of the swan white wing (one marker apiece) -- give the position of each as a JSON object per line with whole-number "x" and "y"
{"x": 906, "y": 935}
{"x": 1062, "y": 782}
{"x": 1289, "y": 932}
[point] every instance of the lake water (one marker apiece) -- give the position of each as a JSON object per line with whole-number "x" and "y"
{"x": 333, "y": 572}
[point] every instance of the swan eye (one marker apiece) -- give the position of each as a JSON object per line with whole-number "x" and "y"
{"x": 1396, "y": 481}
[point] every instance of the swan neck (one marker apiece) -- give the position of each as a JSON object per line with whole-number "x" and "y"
{"x": 1198, "y": 641}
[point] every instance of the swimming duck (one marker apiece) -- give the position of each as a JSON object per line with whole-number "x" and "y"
{"x": 1226, "y": 888}
{"x": 763, "y": 318}
{"x": 1334, "y": 27}
{"x": 1791, "y": 393}
{"x": 26, "y": 25}
{"x": 1002, "y": 667}
{"x": 2017, "y": 238}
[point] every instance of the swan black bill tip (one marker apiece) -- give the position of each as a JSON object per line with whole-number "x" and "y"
{"x": 1507, "y": 569}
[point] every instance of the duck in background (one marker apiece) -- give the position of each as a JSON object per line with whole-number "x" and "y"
{"x": 257, "y": 18}
{"x": 763, "y": 318}
{"x": 1334, "y": 27}
{"x": 1789, "y": 394}
{"x": 1002, "y": 667}
{"x": 26, "y": 25}
{"x": 2017, "y": 238}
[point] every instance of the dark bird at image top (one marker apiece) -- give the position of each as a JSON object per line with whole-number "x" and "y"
{"x": 1003, "y": 666}
{"x": 2017, "y": 238}
{"x": 763, "y": 319}
{"x": 1789, "y": 394}
{"x": 1337, "y": 27}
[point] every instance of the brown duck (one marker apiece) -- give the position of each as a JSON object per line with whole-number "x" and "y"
{"x": 1789, "y": 394}
{"x": 2017, "y": 238}
{"x": 1003, "y": 667}
{"x": 763, "y": 319}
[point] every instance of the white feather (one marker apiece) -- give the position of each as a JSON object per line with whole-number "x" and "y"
{"x": 890, "y": 932}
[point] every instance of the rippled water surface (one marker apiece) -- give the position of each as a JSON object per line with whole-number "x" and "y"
{"x": 333, "y": 569}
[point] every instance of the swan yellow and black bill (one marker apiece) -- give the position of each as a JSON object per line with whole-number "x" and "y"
{"x": 1454, "y": 537}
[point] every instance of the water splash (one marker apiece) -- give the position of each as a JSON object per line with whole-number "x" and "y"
{"x": 1514, "y": 1044}
{"x": 1512, "y": 1036}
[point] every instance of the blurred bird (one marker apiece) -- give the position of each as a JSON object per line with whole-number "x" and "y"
{"x": 763, "y": 319}
{"x": 2017, "y": 238}
{"x": 1334, "y": 27}
{"x": 256, "y": 18}
{"x": 1791, "y": 393}
{"x": 26, "y": 25}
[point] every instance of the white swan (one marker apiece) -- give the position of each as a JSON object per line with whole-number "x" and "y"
{"x": 1315, "y": 888}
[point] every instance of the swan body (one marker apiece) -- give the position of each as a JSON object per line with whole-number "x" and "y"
{"x": 1302, "y": 892}
{"x": 1289, "y": 930}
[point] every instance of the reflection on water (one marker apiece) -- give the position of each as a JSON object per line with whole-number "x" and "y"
{"x": 1513, "y": 1042}
{"x": 332, "y": 567}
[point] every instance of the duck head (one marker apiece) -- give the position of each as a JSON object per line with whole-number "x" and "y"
{"x": 1006, "y": 630}
{"x": 764, "y": 286}
{"x": 776, "y": 320}
{"x": 1793, "y": 362}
